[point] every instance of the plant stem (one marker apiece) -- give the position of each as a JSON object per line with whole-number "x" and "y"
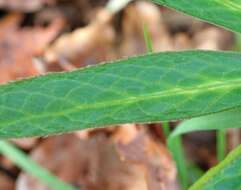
{"x": 221, "y": 144}
{"x": 166, "y": 129}
{"x": 176, "y": 148}
{"x": 147, "y": 38}
{"x": 28, "y": 165}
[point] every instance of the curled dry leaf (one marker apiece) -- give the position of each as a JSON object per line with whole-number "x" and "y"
{"x": 150, "y": 15}
{"x": 104, "y": 161}
{"x": 213, "y": 38}
{"x": 85, "y": 45}
{"x": 158, "y": 166}
{"x": 178, "y": 22}
{"x": 19, "y": 45}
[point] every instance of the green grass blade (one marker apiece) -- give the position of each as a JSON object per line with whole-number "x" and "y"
{"x": 166, "y": 129}
{"x": 176, "y": 148}
{"x": 151, "y": 88}
{"x": 222, "y": 120}
{"x": 226, "y": 175}
{"x": 225, "y": 13}
{"x": 147, "y": 38}
{"x": 28, "y": 165}
{"x": 221, "y": 144}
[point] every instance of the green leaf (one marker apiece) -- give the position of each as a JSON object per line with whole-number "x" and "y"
{"x": 226, "y": 13}
{"x": 226, "y": 175}
{"x": 150, "y": 88}
{"x": 28, "y": 165}
{"x": 221, "y": 144}
{"x": 222, "y": 120}
{"x": 176, "y": 148}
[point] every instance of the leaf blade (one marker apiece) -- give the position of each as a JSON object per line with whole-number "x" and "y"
{"x": 226, "y": 175}
{"x": 222, "y": 120}
{"x": 154, "y": 87}
{"x": 220, "y": 12}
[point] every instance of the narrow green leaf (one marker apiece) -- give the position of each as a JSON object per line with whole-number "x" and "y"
{"x": 22, "y": 160}
{"x": 226, "y": 175}
{"x": 147, "y": 38}
{"x": 150, "y": 88}
{"x": 226, "y": 13}
{"x": 221, "y": 144}
{"x": 222, "y": 120}
{"x": 176, "y": 148}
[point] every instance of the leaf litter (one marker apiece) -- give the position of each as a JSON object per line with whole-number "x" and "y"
{"x": 56, "y": 35}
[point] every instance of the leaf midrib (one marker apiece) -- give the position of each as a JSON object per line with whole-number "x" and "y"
{"x": 224, "y": 85}
{"x": 230, "y": 5}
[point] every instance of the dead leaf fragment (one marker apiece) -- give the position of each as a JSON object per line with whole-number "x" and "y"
{"x": 19, "y": 45}
{"x": 102, "y": 161}
{"x": 84, "y": 43}
{"x": 213, "y": 38}
{"x": 150, "y": 15}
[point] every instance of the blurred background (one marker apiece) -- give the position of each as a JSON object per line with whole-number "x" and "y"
{"x": 41, "y": 36}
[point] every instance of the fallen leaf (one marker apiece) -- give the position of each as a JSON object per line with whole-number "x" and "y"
{"x": 18, "y": 46}
{"x": 213, "y": 38}
{"x": 133, "y": 40}
{"x": 86, "y": 45}
{"x": 105, "y": 160}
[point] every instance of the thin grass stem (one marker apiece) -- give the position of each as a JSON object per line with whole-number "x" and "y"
{"x": 23, "y": 161}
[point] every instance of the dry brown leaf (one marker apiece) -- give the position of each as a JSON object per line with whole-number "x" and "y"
{"x": 102, "y": 162}
{"x": 86, "y": 45}
{"x": 6, "y": 183}
{"x": 150, "y": 15}
{"x": 213, "y": 38}
{"x": 19, "y": 45}
{"x": 159, "y": 167}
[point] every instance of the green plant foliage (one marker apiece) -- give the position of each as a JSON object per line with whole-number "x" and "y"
{"x": 154, "y": 87}
{"x": 27, "y": 164}
{"x": 226, "y": 175}
{"x": 221, "y": 144}
{"x": 176, "y": 148}
{"x": 222, "y": 120}
{"x": 226, "y": 13}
